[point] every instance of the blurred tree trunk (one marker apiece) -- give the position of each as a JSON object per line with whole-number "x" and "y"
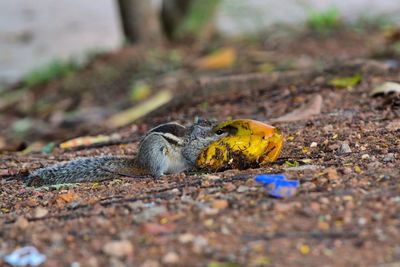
{"x": 140, "y": 21}
{"x": 191, "y": 19}
{"x": 173, "y": 13}
{"x": 179, "y": 19}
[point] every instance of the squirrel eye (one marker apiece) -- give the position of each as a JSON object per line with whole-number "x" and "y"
{"x": 219, "y": 132}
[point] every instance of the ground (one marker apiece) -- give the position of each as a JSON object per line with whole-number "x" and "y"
{"x": 345, "y": 213}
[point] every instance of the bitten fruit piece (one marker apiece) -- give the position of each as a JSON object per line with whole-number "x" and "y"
{"x": 248, "y": 143}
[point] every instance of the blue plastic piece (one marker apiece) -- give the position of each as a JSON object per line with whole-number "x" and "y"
{"x": 25, "y": 256}
{"x": 266, "y": 179}
{"x": 277, "y": 185}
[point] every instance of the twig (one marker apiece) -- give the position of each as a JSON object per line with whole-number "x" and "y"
{"x": 313, "y": 234}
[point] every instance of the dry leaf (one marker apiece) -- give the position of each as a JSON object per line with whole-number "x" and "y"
{"x": 138, "y": 111}
{"x": 66, "y": 198}
{"x": 312, "y": 108}
{"x": 221, "y": 59}
{"x": 88, "y": 140}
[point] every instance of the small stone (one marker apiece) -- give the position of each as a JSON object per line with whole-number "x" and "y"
{"x": 394, "y": 125}
{"x": 315, "y": 206}
{"x": 21, "y": 223}
{"x": 220, "y": 204}
{"x": 334, "y": 147}
{"x": 170, "y": 258}
{"x": 225, "y": 230}
{"x": 364, "y": 156}
{"x": 212, "y": 177}
{"x": 314, "y": 144}
{"x": 120, "y": 248}
{"x": 324, "y": 226}
{"x": 332, "y": 174}
{"x": 344, "y": 149}
{"x": 308, "y": 186}
{"x": 115, "y": 262}
{"x": 389, "y": 157}
{"x": 157, "y": 229}
{"x": 209, "y": 211}
{"x": 282, "y": 207}
{"x": 186, "y": 238}
{"x": 328, "y": 128}
{"x": 302, "y": 168}
{"x": 229, "y": 187}
{"x": 40, "y": 212}
{"x": 362, "y": 221}
{"x": 149, "y": 213}
{"x": 242, "y": 189}
{"x": 150, "y": 263}
{"x": 200, "y": 241}
{"x": 175, "y": 191}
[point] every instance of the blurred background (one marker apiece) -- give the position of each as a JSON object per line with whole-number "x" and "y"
{"x": 74, "y": 67}
{"x": 35, "y": 33}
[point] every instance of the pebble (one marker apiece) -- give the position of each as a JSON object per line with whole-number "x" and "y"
{"x": 186, "y": 238}
{"x": 242, "y": 189}
{"x": 364, "y": 156}
{"x": 200, "y": 241}
{"x": 150, "y": 263}
{"x": 170, "y": 258}
{"x": 220, "y": 204}
{"x": 362, "y": 221}
{"x": 344, "y": 149}
{"x": 308, "y": 186}
{"x": 229, "y": 187}
{"x": 302, "y": 168}
{"x": 40, "y": 212}
{"x": 314, "y": 144}
{"x": 394, "y": 125}
{"x": 332, "y": 174}
{"x": 119, "y": 248}
{"x": 389, "y": 157}
{"x": 149, "y": 213}
{"x": 21, "y": 223}
{"x": 328, "y": 128}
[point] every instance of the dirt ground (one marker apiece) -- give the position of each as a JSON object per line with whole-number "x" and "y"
{"x": 346, "y": 211}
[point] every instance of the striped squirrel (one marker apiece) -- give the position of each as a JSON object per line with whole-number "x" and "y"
{"x": 166, "y": 149}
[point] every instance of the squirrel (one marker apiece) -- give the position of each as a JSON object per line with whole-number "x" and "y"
{"x": 166, "y": 149}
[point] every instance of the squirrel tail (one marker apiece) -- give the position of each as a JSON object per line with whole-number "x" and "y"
{"x": 88, "y": 169}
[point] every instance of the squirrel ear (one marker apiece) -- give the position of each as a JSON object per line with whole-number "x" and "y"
{"x": 171, "y": 128}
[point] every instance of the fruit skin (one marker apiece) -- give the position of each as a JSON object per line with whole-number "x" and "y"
{"x": 249, "y": 143}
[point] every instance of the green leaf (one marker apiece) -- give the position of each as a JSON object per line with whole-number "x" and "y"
{"x": 346, "y": 82}
{"x": 139, "y": 91}
{"x": 47, "y": 149}
{"x": 292, "y": 163}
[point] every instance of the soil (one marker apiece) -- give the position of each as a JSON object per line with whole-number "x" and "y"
{"x": 347, "y": 208}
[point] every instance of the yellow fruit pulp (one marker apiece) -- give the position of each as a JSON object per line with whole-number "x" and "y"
{"x": 249, "y": 143}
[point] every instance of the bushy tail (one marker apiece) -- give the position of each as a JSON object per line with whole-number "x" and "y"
{"x": 88, "y": 169}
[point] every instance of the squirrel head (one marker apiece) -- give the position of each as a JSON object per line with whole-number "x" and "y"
{"x": 199, "y": 135}
{"x": 205, "y": 130}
